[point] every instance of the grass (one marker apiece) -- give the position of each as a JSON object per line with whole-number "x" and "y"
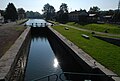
{"x": 105, "y": 53}
{"x": 19, "y": 28}
{"x": 113, "y": 29}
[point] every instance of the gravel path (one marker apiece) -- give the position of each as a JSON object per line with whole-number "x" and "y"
{"x": 90, "y": 30}
{"x": 9, "y": 32}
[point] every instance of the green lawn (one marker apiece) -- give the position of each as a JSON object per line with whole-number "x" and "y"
{"x": 113, "y": 29}
{"x": 105, "y": 53}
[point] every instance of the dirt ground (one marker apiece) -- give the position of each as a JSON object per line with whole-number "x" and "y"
{"x": 8, "y": 34}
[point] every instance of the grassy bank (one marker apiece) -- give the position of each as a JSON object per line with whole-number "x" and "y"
{"x": 105, "y": 53}
{"x": 113, "y": 29}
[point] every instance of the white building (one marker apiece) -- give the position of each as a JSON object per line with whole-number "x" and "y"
{"x": 1, "y": 18}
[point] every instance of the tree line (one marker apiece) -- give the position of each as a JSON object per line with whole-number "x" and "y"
{"x": 49, "y": 13}
{"x": 62, "y": 15}
{"x": 13, "y": 14}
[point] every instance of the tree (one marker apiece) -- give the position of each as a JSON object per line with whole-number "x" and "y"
{"x": 48, "y": 11}
{"x": 62, "y": 14}
{"x": 64, "y": 8}
{"x": 21, "y": 10}
{"x": 33, "y": 15}
{"x": 94, "y": 9}
{"x": 21, "y": 13}
{"x": 11, "y": 12}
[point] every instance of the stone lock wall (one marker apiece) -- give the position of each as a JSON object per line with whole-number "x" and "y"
{"x": 13, "y": 63}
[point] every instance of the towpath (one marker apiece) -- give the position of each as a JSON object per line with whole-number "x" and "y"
{"x": 9, "y": 32}
{"x": 102, "y": 33}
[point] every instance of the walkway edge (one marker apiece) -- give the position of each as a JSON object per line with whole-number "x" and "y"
{"x": 84, "y": 56}
{"x": 7, "y": 61}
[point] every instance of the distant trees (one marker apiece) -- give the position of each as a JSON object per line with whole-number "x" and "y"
{"x": 94, "y": 9}
{"x": 21, "y": 13}
{"x": 11, "y": 12}
{"x": 33, "y": 15}
{"x": 62, "y": 14}
{"x": 64, "y": 8}
{"x": 48, "y": 12}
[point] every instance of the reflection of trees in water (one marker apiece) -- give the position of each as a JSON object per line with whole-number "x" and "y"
{"x": 39, "y": 39}
{"x": 38, "y": 34}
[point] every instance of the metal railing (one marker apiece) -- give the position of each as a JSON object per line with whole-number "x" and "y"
{"x": 48, "y": 77}
{"x": 88, "y": 75}
{"x": 59, "y": 76}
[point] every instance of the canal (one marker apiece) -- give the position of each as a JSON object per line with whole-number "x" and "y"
{"x": 47, "y": 56}
{"x": 41, "y": 60}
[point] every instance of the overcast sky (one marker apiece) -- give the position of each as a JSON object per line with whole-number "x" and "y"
{"x": 37, "y": 5}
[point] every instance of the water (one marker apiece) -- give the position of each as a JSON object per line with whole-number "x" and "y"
{"x": 41, "y": 59}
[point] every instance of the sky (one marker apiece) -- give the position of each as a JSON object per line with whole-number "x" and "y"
{"x": 37, "y": 5}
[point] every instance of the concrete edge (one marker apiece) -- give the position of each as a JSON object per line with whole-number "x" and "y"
{"x": 7, "y": 60}
{"x": 84, "y": 56}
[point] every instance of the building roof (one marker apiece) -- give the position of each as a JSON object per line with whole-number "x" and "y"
{"x": 107, "y": 16}
{"x": 82, "y": 13}
{"x": 75, "y": 12}
{"x": 92, "y": 15}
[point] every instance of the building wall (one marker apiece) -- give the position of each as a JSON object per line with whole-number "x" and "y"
{"x": 74, "y": 17}
{"x": 13, "y": 63}
{"x": 1, "y": 18}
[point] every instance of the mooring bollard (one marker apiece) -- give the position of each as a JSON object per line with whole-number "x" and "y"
{"x": 36, "y": 25}
{"x": 45, "y": 25}
{"x": 32, "y": 25}
{"x": 41, "y": 24}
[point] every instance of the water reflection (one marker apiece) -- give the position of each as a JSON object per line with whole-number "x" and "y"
{"x": 55, "y": 63}
{"x": 42, "y": 60}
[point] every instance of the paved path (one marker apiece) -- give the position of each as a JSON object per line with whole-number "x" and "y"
{"x": 90, "y": 30}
